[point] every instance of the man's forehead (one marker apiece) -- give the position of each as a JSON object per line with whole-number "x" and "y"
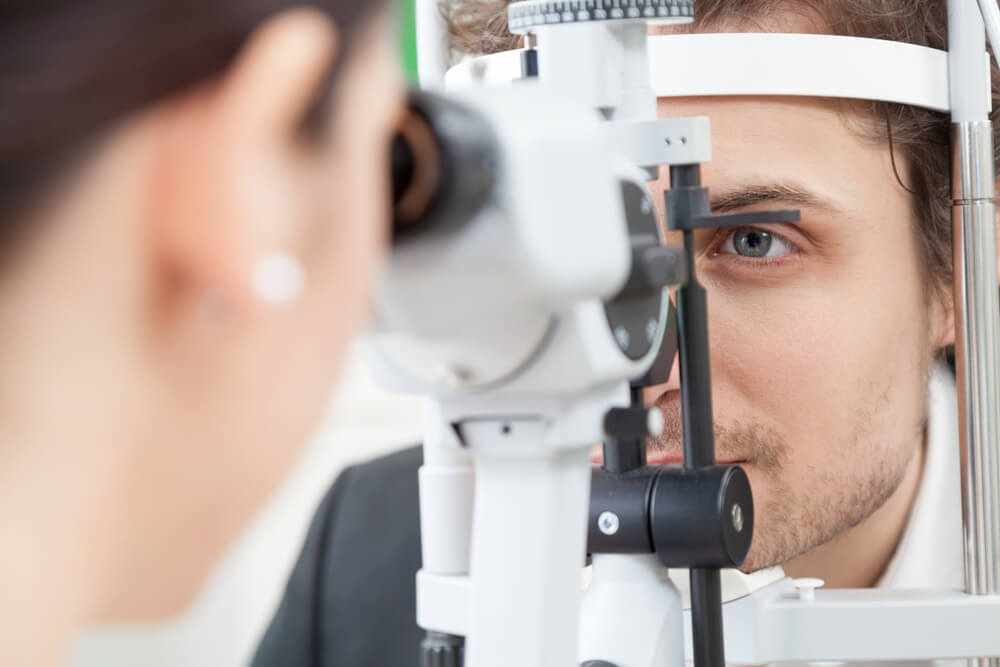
{"x": 804, "y": 150}
{"x": 744, "y": 183}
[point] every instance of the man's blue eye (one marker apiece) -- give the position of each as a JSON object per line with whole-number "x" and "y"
{"x": 755, "y": 244}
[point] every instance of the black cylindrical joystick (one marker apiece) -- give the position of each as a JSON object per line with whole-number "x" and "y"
{"x": 702, "y": 518}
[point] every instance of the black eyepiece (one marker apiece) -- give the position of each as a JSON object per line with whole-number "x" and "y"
{"x": 444, "y": 165}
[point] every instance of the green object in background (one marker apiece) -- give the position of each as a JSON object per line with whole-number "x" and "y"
{"x": 408, "y": 38}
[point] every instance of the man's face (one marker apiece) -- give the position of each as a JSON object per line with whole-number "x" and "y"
{"x": 821, "y": 331}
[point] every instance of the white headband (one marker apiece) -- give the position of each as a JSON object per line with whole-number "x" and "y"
{"x": 768, "y": 64}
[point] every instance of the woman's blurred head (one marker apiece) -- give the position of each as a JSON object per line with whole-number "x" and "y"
{"x": 192, "y": 201}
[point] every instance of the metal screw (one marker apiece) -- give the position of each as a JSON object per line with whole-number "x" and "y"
{"x": 622, "y": 336}
{"x": 608, "y": 522}
{"x": 453, "y": 377}
{"x": 651, "y": 326}
{"x": 736, "y": 514}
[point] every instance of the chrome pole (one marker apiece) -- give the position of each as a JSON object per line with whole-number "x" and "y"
{"x": 977, "y": 315}
{"x": 977, "y": 300}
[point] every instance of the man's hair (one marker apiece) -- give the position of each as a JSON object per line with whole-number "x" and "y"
{"x": 919, "y": 135}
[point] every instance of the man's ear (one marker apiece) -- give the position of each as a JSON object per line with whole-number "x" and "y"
{"x": 227, "y": 187}
{"x": 942, "y": 317}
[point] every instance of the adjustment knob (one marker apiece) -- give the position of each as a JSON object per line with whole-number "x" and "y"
{"x": 702, "y": 518}
{"x": 654, "y": 267}
{"x": 442, "y": 650}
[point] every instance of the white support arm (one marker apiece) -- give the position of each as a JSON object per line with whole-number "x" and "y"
{"x": 775, "y": 625}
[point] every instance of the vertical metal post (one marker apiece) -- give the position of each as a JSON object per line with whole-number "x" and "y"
{"x": 977, "y": 300}
{"x": 708, "y": 647}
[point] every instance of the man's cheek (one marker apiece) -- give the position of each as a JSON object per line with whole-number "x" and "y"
{"x": 778, "y": 370}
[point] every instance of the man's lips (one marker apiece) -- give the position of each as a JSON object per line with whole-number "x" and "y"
{"x": 673, "y": 459}
{"x": 669, "y": 403}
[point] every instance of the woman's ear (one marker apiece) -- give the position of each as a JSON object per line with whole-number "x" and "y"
{"x": 228, "y": 187}
{"x": 278, "y": 75}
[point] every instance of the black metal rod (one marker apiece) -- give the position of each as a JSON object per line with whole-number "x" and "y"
{"x": 685, "y": 176}
{"x": 696, "y": 384}
{"x": 529, "y": 63}
{"x": 696, "y": 414}
{"x": 692, "y": 329}
{"x": 706, "y": 618}
{"x": 623, "y": 455}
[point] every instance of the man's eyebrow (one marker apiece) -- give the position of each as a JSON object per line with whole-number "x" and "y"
{"x": 744, "y": 196}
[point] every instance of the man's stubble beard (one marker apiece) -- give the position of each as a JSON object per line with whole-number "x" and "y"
{"x": 793, "y": 519}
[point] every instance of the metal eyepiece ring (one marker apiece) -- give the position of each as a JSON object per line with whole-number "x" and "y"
{"x": 416, "y": 170}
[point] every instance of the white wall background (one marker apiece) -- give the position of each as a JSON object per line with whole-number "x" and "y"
{"x": 222, "y": 627}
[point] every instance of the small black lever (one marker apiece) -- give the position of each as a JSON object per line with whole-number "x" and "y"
{"x": 716, "y": 220}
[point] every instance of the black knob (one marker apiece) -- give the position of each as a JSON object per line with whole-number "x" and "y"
{"x": 654, "y": 267}
{"x": 633, "y": 423}
{"x": 702, "y": 518}
{"x": 442, "y": 650}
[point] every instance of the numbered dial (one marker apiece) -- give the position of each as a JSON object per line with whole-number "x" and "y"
{"x": 525, "y": 16}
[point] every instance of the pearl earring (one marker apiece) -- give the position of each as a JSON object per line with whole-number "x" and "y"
{"x": 277, "y": 278}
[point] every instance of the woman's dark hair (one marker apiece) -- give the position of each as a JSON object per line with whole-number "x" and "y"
{"x": 69, "y": 69}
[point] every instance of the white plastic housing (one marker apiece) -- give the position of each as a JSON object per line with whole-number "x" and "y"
{"x": 472, "y": 307}
{"x": 553, "y": 234}
{"x": 631, "y": 613}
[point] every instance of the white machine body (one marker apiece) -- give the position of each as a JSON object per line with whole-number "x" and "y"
{"x": 554, "y": 233}
{"x": 467, "y": 309}
{"x": 502, "y": 322}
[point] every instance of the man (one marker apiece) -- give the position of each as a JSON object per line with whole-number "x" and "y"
{"x": 828, "y": 341}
